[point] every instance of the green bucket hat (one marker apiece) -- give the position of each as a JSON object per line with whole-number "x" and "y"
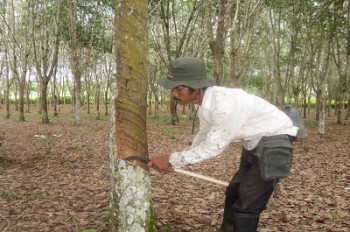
{"x": 190, "y": 72}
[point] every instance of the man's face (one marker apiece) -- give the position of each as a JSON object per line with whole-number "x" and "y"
{"x": 184, "y": 95}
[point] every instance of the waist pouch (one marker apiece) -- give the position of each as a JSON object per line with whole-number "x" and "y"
{"x": 275, "y": 154}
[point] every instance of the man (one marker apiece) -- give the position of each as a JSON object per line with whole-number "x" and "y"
{"x": 226, "y": 115}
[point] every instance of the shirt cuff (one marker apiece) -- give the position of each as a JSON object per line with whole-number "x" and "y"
{"x": 177, "y": 160}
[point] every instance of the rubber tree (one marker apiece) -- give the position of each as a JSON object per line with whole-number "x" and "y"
{"x": 131, "y": 185}
{"x": 242, "y": 34}
{"x": 341, "y": 54}
{"x": 178, "y": 19}
{"x": 45, "y": 47}
{"x": 217, "y": 42}
{"x": 18, "y": 48}
{"x": 75, "y": 61}
{"x": 5, "y": 58}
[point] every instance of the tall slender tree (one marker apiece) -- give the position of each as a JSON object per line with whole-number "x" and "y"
{"x": 20, "y": 49}
{"x": 217, "y": 43}
{"x": 5, "y": 34}
{"x": 45, "y": 46}
{"x": 131, "y": 183}
{"x": 175, "y": 34}
{"x": 75, "y": 63}
{"x": 242, "y": 32}
{"x": 341, "y": 55}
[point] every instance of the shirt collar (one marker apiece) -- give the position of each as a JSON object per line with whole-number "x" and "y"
{"x": 206, "y": 102}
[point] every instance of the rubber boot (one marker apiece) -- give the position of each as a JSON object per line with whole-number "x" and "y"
{"x": 245, "y": 222}
{"x": 231, "y": 196}
{"x": 228, "y": 221}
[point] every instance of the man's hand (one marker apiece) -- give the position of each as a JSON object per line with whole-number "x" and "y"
{"x": 161, "y": 164}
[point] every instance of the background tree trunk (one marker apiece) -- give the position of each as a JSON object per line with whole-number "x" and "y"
{"x": 7, "y": 89}
{"x": 45, "y": 48}
{"x": 244, "y": 18}
{"x": 217, "y": 44}
{"x": 75, "y": 64}
{"x": 322, "y": 113}
{"x": 171, "y": 29}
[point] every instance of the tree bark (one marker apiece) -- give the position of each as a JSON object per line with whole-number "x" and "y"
{"x": 131, "y": 190}
{"x": 45, "y": 52}
{"x": 7, "y": 88}
{"x": 321, "y": 123}
{"x": 20, "y": 53}
{"x": 75, "y": 64}
{"x": 55, "y": 93}
{"x": 276, "y": 52}
{"x": 243, "y": 23}
{"x": 217, "y": 44}
{"x": 171, "y": 28}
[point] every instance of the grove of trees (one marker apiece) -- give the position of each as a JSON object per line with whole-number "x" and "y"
{"x": 61, "y": 52}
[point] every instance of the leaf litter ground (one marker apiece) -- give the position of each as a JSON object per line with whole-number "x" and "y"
{"x": 61, "y": 182}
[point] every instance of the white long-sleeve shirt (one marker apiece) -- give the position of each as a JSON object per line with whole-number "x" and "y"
{"x": 227, "y": 115}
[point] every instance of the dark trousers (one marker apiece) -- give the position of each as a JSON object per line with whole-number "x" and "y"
{"x": 247, "y": 192}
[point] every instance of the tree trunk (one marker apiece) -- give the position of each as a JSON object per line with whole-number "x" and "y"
{"x": 347, "y": 115}
{"x": 45, "y": 61}
{"x": 131, "y": 190}
{"x": 340, "y": 112}
{"x": 75, "y": 64}
{"x": 217, "y": 44}
{"x": 28, "y": 94}
{"x": 21, "y": 99}
{"x": 149, "y": 105}
{"x": 7, "y": 84}
{"x": 172, "y": 104}
{"x": 55, "y": 93}
{"x": 322, "y": 112}
{"x": 97, "y": 100}
{"x": 106, "y": 100}
{"x": 170, "y": 27}
{"x": 243, "y": 21}
{"x": 276, "y": 52}
{"x": 318, "y": 105}
{"x": 7, "y": 90}
{"x": 16, "y": 96}
{"x": 63, "y": 91}
{"x": 44, "y": 110}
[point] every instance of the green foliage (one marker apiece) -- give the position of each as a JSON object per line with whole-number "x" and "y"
{"x": 167, "y": 131}
{"x": 94, "y": 24}
{"x": 94, "y": 116}
{"x": 256, "y": 81}
{"x": 152, "y": 223}
{"x": 334, "y": 217}
{"x": 160, "y": 118}
{"x": 89, "y": 230}
{"x": 69, "y": 163}
{"x": 48, "y": 140}
{"x": 105, "y": 217}
{"x": 5, "y": 161}
{"x": 66, "y": 99}
{"x": 35, "y": 197}
{"x": 88, "y": 146}
{"x": 100, "y": 159}
{"x": 8, "y": 196}
{"x": 164, "y": 119}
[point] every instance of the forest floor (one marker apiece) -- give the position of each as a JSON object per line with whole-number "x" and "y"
{"x": 62, "y": 182}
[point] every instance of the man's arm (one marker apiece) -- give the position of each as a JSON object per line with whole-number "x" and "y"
{"x": 227, "y": 118}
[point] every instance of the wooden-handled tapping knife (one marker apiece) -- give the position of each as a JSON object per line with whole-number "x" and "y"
{"x": 185, "y": 172}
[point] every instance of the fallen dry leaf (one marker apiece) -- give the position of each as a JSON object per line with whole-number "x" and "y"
{"x": 66, "y": 187}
